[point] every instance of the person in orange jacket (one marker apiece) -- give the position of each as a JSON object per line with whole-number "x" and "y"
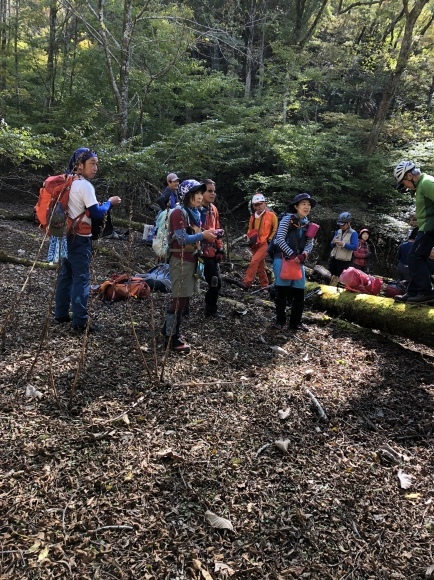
{"x": 262, "y": 229}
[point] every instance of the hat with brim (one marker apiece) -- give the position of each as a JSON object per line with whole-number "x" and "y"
{"x": 189, "y": 187}
{"x": 301, "y": 197}
{"x": 200, "y": 187}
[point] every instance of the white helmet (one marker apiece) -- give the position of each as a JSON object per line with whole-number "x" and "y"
{"x": 257, "y": 198}
{"x": 401, "y": 169}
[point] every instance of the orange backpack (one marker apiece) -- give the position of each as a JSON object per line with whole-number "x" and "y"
{"x": 52, "y": 206}
{"x": 122, "y": 287}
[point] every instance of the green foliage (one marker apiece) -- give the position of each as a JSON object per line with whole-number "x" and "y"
{"x": 22, "y": 146}
{"x": 326, "y": 160}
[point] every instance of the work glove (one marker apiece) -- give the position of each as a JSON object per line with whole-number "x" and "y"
{"x": 301, "y": 258}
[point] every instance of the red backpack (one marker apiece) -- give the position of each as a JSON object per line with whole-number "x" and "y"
{"x": 51, "y": 208}
{"x": 357, "y": 281}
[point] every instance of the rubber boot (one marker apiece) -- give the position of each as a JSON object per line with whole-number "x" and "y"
{"x": 168, "y": 328}
{"x": 179, "y": 344}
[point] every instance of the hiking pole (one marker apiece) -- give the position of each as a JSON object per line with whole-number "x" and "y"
{"x": 313, "y": 293}
{"x": 260, "y": 289}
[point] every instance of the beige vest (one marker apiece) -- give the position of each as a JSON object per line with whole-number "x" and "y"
{"x": 340, "y": 253}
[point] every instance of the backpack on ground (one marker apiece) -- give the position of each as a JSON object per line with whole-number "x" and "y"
{"x": 122, "y": 287}
{"x": 357, "y": 281}
{"x": 52, "y": 206}
{"x": 394, "y": 288}
{"x": 157, "y": 278}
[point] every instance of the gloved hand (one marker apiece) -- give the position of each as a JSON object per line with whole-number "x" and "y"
{"x": 301, "y": 258}
{"x": 291, "y": 257}
{"x": 219, "y": 255}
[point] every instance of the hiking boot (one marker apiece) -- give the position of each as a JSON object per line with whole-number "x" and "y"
{"x": 215, "y": 315}
{"x": 421, "y": 297}
{"x": 81, "y": 328}
{"x": 276, "y": 327}
{"x": 301, "y": 327}
{"x": 245, "y": 286}
{"x": 62, "y": 319}
{"x": 402, "y": 297}
{"x": 179, "y": 345}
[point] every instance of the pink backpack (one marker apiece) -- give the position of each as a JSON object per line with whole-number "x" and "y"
{"x": 357, "y": 281}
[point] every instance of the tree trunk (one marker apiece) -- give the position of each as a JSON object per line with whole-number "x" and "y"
{"x": 51, "y": 57}
{"x": 3, "y": 42}
{"x": 394, "y": 79}
{"x": 413, "y": 322}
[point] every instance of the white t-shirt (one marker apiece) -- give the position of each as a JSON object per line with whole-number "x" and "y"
{"x": 81, "y": 196}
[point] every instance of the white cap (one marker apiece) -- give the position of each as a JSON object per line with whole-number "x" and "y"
{"x": 257, "y": 198}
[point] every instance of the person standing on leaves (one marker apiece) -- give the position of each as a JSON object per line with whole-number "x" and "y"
{"x": 185, "y": 238}
{"x": 73, "y": 284}
{"x": 292, "y": 243}
{"x": 363, "y": 253}
{"x": 170, "y": 196}
{"x": 420, "y": 288}
{"x": 262, "y": 229}
{"x": 345, "y": 241}
{"x": 212, "y": 252}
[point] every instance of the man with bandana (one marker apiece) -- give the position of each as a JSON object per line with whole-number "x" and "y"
{"x": 73, "y": 284}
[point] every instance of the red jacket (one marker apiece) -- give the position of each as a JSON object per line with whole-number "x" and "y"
{"x": 211, "y": 222}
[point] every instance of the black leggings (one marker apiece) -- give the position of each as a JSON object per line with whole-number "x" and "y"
{"x": 297, "y": 306}
{"x": 336, "y": 267}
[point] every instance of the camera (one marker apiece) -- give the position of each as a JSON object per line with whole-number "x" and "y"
{"x": 219, "y": 234}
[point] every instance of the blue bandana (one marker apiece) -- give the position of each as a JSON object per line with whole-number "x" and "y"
{"x": 194, "y": 214}
{"x": 80, "y": 155}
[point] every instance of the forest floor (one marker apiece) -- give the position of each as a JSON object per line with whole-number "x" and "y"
{"x": 111, "y": 467}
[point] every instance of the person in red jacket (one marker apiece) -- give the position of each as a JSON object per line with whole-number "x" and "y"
{"x": 212, "y": 251}
{"x": 363, "y": 253}
{"x": 185, "y": 239}
{"x": 262, "y": 229}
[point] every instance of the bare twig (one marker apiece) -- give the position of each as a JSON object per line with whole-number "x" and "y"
{"x": 139, "y": 400}
{"x": 317, "y": 405}
{"x": 103, "y": 528}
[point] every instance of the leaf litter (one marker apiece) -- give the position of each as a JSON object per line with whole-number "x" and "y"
{"x": 112, "y": 477}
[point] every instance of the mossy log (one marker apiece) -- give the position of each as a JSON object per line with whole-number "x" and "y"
{"x": 126, "y": 223}
{"x": 376, "y": 312}
{"x": 26, "y": 262}
{"x": 12, "y": 216}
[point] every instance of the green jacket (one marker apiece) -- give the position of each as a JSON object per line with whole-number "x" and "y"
{"x": 425, "y": 203}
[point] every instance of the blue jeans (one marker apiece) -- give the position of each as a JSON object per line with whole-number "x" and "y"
{"x": 73, "y": 284}
{"x": 418, "y": 263}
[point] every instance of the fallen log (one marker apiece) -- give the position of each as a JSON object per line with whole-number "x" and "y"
{"x": 376, "y": 312}
{"x": 26, "y": 262}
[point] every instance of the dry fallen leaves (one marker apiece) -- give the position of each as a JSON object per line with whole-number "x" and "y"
{"x": 405, "y": 480}
{"x": 282, "y": 444}
{"x": 284, "y": 414}
{"x": 218, "y": 522}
